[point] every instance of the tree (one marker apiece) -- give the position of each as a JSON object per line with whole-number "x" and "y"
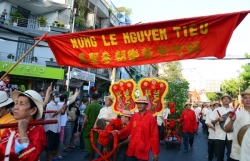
{"x": 80, "y": 5}
{"x": 212, "y": 96}
{"x": 245, "y": 75}
{"x": 178, "y": 87}
{"x": 172, "y": 71}
{"x": 178, "y": 93}
{"x": 128, "y": 11}
{"x": 232, "y": 87}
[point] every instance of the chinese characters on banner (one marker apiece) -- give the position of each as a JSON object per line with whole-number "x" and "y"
{"x": 148, "y": 43}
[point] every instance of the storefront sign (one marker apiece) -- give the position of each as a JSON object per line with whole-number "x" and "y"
{"x": 82, "y": 75}
{"x": 28, "y": 70}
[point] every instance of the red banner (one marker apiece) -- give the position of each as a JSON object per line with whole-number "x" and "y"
{"x": 148, "y": 43}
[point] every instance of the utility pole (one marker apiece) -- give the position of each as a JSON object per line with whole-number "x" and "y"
{"x": 72, "y": 30}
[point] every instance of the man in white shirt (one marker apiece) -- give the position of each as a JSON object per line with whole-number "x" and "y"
{"x": 236, "y": 122}
{"x": 204, "y": 112}
{"x": 106, "y": 113}
{"x": 160, "y": 121}
{"x": 211, "y": 130}
{"x": 222, "y": 138}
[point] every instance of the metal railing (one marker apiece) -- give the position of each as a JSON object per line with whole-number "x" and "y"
{"x": 29, "y": 23}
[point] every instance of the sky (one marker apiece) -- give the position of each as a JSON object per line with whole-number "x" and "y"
{"x": 159, "y": 10}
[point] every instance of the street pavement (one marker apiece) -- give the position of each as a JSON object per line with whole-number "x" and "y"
{"x": 199, "y": 152}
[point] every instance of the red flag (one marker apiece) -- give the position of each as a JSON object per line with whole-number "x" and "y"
{"x": 147, "y": 43}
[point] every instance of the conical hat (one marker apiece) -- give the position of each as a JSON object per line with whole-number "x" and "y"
{"x": 246, "y": 92}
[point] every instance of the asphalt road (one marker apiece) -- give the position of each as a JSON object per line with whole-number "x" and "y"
{"x": 199, "y": 152}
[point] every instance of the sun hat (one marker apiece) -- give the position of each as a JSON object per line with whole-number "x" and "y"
{"x": 188, "y": 103}
{"x": 110, "y": 97}
{"x": 126, "y": 113}
{"x": 226, "y": 95}
{"x": 216, "y": 102}
{"x": 246, "y": 92}
{"x": 34, "y": 96}
{"x": 142, "y": 99}
{"x": 4, "y": 99}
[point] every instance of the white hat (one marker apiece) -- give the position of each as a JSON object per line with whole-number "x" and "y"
{"x": 110, "y": 97}
{"x": 126, "y": 113}
{"x": 4, "y": 99}
{"x": 36, "y": 97}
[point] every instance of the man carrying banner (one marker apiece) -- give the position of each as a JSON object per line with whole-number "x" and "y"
{"x": 144, "y": 134}
{"x": 236, "y": 122}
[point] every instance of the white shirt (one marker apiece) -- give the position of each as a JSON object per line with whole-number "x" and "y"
{"x": 197, "y": 111}
{"x": 242, "y": 119}
{"x": 164, "y": 114}
{"x": 49, "y": 116}
{"x": 245, "y": 147}
{"x": 64, "y": 117}
{"x": 220, "y": 134}
{"x": 205, "y": 111}
{"x": 107, "y": 113}
{"x": 211, "y": 131}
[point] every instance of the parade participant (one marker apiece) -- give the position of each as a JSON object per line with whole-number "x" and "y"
{"x": 53, "y": 130}
{"x": 5, "y": 116}
{"x": 189, "y": 121}
{"x": 211, "y": 129}
{"x": 245, "y": 147}
{"x": 91, "y": 112}
{"x": 143, "y": 130}
{"x": 24, "y": 142}
{"x": 161, "y": 123}
{"x": 236, "y": 122}
{"x": 106, "y": 113}
{"x": 204, "y": 112}
{"x": 222, "y": 138}
{"x": 197, "y": 112}
{"x": 123, "y": 144}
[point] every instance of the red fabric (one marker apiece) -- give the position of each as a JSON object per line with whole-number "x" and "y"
{"x": 189, "y": 121}
{"x": 147, "y": 43}
{"x": 144, "y": 136}
{"x": 37, "y": 137}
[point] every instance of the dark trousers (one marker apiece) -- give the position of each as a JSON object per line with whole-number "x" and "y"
{"x": 81, "y": 138}
{"x": 220, "y": 149}
{"x": 211, "y": 149}
{"x": 231, "y": 159}
{"x": 161, "y": 132}
{"x": 128, "y": 158}
{"x": 188, "y": 139}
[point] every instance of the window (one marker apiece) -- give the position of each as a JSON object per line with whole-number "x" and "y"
{"x": 23, "y": 45}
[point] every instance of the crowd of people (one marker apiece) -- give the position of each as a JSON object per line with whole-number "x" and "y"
{"x": 141, "y": 131}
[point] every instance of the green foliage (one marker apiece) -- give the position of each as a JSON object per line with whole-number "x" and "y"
{"x": 128, "y": 11}
{"x": 245, "y": 75}
{"x": 10, "y": 56}
{"x": 232, "y": 87}
{"x": 42, "y": 21}
{"x": 80, "y": 23}
{"x": 15, "y": 16}
{"x": 178, "y": 87}
{"x": 178, "y": 93}
{"x": 212, "y": 96}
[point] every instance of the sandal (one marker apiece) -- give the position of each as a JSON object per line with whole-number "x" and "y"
{"x": 67, "y": 150}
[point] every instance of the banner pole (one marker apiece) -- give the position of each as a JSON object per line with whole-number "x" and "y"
{"x": 24, "y": 55}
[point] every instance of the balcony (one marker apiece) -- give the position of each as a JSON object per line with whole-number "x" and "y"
{"x": 30, "y": 26}
{"x": 40, "y": 7}
{"x": 43, "y": 61}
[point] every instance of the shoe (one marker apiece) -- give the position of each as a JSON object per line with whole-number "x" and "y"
{"x": 87, "y": 156}
{"x": 185, "y": 151}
